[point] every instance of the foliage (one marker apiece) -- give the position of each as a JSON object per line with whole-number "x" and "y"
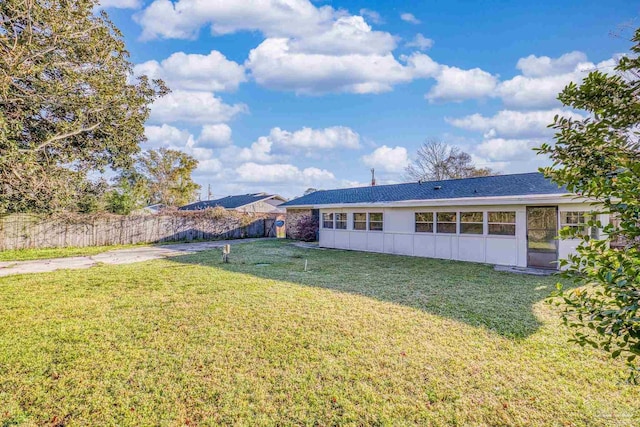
{"x": 167, "y": 174}
{"x": 437, "y": 161}
{"x": 599, "y": 158}
{"x": 129, "y": 193}
{"x": 67, "y": 105}
{"x": 307, "y": 228}
{"x": 358, "y": 339}
{"x": 309, "y": 191}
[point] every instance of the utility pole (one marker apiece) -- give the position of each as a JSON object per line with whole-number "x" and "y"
{"x": 209, "y": 195}
{"x": 373, "y": 177}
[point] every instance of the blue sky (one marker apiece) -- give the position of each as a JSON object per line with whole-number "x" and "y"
{"x": 282, "y": 95}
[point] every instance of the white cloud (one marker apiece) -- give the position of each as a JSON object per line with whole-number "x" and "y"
{"x": 513, "y": 124}
{"x": 120, "y": 4}
{"x": 274, "y": 18}
{"x": 311, "y": 140}
{"x": 500, "y": 149}
{"x": 420, "y": 42}
{"x": 193, "y": 107}
{"x": 388, "y": 159}
{"x": 181, "y": 71}
{"x": 347, "y": 35}
{"x": 410, "y": 18}
{"x": 274, "y": 65}
{"x": 540, "y": 87}
{"x": 539, "y": 66}
{"x": 372, "y": 16}
{"x": 283, "y": 173}
{"x": 218, "y": 135}
{"x": 167, "y": 136}
{"x": 456, "y": 84}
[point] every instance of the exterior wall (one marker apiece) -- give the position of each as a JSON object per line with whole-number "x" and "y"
{"x": 293, "y": 218}
{"x": 263, "y": 206}
{"x": 399, "y": 236}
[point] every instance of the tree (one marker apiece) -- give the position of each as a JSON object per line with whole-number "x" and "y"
{"x": 309, "y": 191}
{"x": 67, "y": 103}
{"x": 599, "y": 158}
{"x": 437, "y": 161}
{"x": 168, "y": 176}
{"x": 130, "y": 192}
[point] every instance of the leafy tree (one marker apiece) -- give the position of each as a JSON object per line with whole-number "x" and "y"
{"x": 168, "y": 176}
{"x": 309, "y": 191}
{"x": 130, "y": 192}
{"x": 599, "y": 158}
{"x": 436, "y": 161}
{"x": 67, "y": 102}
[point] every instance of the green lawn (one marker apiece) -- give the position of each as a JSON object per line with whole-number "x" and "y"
{"x": 359, "y": 339}
{"x": 48, "y": 253}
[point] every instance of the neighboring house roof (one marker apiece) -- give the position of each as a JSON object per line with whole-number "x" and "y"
{"x": 489, "y": 186}
{"x": 230, "y": 202}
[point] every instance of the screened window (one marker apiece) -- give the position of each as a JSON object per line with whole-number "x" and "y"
{"x": 502, "y": 223}
{"x": 446, "y": 222}
{"x": 578, "y": 222}
{"x": 424, "y": 222}
{"x": 327, "y": 220}
{"x": 471, "y": 223}
{"x": 359, "y": 221}
{"x": 375, "y": 221}
{"x": 341, "y": 221}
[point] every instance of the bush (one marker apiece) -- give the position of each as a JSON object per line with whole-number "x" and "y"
{"x": 308, "y": 228}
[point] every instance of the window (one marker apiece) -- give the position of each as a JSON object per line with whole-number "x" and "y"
{"x": 502, "y": 223}
{"x": 578, "y": 222}
{"x": 471, "y": 223}
{"x": 424, "y": 222}
{"x": 359, "y": 221}
{"x": 341, "y": 221}
{"x": 327, "y": 220}
{"x": 375, "y": 221}
{"x": 446, "y": 222}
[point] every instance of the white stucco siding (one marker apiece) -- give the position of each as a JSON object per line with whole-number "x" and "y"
{"x": 399, "y": 234}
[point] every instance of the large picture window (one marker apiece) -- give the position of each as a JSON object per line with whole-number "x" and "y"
{"x": 446, "y": 222}
{"x": 502, "y": 223}
{"x": 359, "y": 221}
{"x": 424, "y": 222}
{"x": 327, "y": 220}
{"x": 471, "y": 223}
{"x": 375, "y": 222}
{"x": 341, "y": 221}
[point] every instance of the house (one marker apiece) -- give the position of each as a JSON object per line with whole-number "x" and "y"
{"x": 151, "y": 209}
{"x": 253, "y": 203}
{"x": 510, "y": 220}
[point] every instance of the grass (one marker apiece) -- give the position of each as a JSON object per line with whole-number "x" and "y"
{"x": 359, "y": 339}
{"x": 48, "y": 253}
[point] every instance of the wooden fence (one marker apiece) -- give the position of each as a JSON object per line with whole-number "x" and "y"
{"x": 22, "y": 231}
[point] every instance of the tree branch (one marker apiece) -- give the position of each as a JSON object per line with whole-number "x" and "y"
{"x": 63, "y": 136}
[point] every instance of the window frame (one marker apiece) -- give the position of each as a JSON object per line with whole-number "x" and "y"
{"x": 584, "y": 225}
{"x": 354, "y": 221}
{"x": 345, "y": 221}
{"x": 454, "y": 222}
{"x": 416, "y": 222}
{"x": 481, "y": 223}
{"x": 490, "y": 223}
{"x": 369, "y": 221}
{"x": 325, "y": 221}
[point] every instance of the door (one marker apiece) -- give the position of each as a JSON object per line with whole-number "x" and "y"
{"x": 542, "y": 229}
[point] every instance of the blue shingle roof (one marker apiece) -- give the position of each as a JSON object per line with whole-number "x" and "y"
{"x": 229, "y": 202}
{"x": 489, "y": 186}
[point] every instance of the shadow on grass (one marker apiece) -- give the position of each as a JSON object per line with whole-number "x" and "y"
{"x": 471, "y": 293}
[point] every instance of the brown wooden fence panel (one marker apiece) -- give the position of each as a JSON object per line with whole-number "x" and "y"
{"x": 23, "y": 231}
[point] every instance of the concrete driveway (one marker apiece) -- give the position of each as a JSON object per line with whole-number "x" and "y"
{"x": 116, "y": 256}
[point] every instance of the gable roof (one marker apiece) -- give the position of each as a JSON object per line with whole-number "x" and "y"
{"x": 229, "y": 202}
{"x": 488, "y": 186}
